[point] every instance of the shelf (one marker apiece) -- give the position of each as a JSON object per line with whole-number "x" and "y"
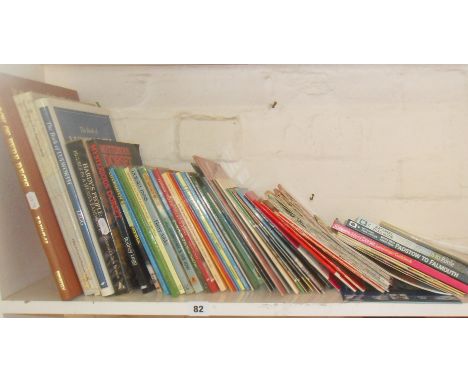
{"x": 336, "y": 133}
{"x": 41, "y": 298}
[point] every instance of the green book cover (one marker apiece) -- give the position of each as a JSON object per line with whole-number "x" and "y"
{"x": 138, "y": 208}
{"x": 169, "y": 229}
{"x": 214, "y": 237}
{"x": 233, "y": 241}
{"x": 158, "y": 230}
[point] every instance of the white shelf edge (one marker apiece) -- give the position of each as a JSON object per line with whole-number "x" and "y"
{"x": 235, "y": 309}
{"x": 41, "y": 298}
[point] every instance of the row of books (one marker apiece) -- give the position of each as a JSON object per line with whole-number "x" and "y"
{"x": 110, "y": 224}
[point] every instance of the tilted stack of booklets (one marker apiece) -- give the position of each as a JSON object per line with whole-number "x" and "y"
{"x": 408, "y": 258}
{"x": 109, "y": 224}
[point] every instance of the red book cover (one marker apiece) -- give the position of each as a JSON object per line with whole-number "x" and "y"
{"x": 210, "y": 281}
{"x": 400, "y": 257}
{"x": 105, "y": 154}
{"x": 317, "y": 248}
{"x": 22, "y": 158}
{"x": 297, "y": 241}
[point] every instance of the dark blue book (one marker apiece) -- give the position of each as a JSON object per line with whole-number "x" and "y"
{"x": 399, "y": 292}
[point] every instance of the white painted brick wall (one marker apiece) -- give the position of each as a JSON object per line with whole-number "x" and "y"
{"x": 387, "y": 142}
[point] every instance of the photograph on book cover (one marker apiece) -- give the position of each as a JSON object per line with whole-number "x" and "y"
{"x": 240, "y": 190}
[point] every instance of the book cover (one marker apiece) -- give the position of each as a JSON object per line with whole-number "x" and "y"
{"x": 213, "y": 174}
{"x": 175, "y": 239}
{"x": 214, "y": 228}
{"x": 183, "y": 231}
{"x": 69, "y": 284}
{"x": 387, "y": 241}
{"x": 137, "y": 206}
{"x": 242, "y": 252}
{"x": 224, "y": 266}
{"x": 275, "y": 264}
{"x": 99, "y": 219}
{"x": 270, "y": 274}
{"x": 450, "y": 253}
{"x": 106, "y": 154}
{"x": 195, "y": 231}
{"x": 405, "y": 259}
{"x": 162, "y": 238}
{"x": 396, "y": 241}
{"x": 61, "y": 121}
{"x": 282, "y": 263}
{"x": 248, "y": 251}
{"x": 139, "y": 239}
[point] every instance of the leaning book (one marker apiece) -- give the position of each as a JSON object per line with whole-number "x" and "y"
{"x": 51, "y": 123}
{"x": 65, "y": 267}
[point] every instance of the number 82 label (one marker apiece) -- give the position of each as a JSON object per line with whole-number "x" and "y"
{"x": 199, "y": 309}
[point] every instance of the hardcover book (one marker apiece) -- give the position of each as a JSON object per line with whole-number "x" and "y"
{"x": 105, "y": 154}
{"x": 62, "y": 122}
{"x": 70, "y": 282}
{"x": 100, "y": 219}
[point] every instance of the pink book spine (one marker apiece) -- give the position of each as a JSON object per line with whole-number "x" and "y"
{"x": 401, "y": 257}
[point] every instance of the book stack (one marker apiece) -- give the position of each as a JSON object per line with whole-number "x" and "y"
{"x": 407, "y": 257}
{"x": 109, "y": 224}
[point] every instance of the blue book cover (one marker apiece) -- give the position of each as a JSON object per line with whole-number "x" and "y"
{"x": 78, "y": 124}
{"x": 212, "y": 221}
{"x": 72, "y": 192}
{"x": 66, "y": 121}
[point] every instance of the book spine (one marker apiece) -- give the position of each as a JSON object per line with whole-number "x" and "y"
{"x": 408, "y": 245}
{"x": 220, "y": 234}
{"x": 195, "y": 231}
{"x": 45, "y": 222}
{"x": 139, "y": 238}
{"x": 82, "y": 167}
{"x": 408, "y": 260}
{"x": 180, "y": 225}
{"x": 57, "y": 192}
{"x": 219, "y": 253}
{"x": 268, "y": 255}
{"x": 243, "y": 253}
{"x": 115, "y": 214}
{"x": 164, "y": 244}
{"x": 148, "y": 230}
{"x": 106, "y": 289}
{"x": 401, "y": 248}
{"x": 175, "y": 238}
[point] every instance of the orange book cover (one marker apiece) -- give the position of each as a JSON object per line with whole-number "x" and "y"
{"x": 22, "y": 157}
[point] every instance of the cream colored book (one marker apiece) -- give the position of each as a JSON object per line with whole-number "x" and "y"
{"x": 55, "y": 187}
{"x": 65, "y": 121}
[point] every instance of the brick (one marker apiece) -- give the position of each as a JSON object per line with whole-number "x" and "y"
{"x": 156, "y": 137}
{"x": 215, "y": 138}
{"x": 325, "y": 136}
{"x": 434, "y": 177}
